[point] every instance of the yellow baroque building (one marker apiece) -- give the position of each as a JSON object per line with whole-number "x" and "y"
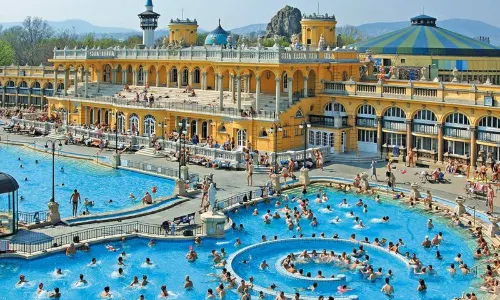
{"x": 227, "y": 92}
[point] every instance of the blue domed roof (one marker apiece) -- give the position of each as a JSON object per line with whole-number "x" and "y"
{"x": 219, "y": 34}
{"x": 423, "y": 37}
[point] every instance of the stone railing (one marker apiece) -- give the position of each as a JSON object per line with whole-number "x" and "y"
{"x": 451, "y": 92}
{"x": 218, "y": 54}
{"x": 175, "y": 106}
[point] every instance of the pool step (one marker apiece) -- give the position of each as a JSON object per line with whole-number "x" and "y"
{"x": 150, "y": 152}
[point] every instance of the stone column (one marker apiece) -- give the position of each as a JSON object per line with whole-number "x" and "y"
{"x": 29, "y": 97}
{"x": 204, "y": 81}
{"x": 247, "y": 87}
{"x": 409, "y": 139}
{"x": 179, "y": 79}
{"x": 17, "y": 96}
{"x": 238, "y": 91}
{"x": 379, "y": 135}
{"x": 76, "y": 83}
{"x": 278, "y": 96}
{"x": 190, "y": 78}
{"x": 440, "y": 143}
{"x": 306, "y": 79}
{"x": 124, "y": 77}
{"x": 98, "y": 72}
{"x": 55, "y": 80}
{"x": 231, "y": 87}
{"x": 157, "y": 78}
{"x": 145, "y": 77}
{"x": 66, "y": 75}
{"x": 134, "y": 78}
{"x": 168, "y": 78}
{"x": 85, "y": 86}
{"x": 198, "y": 127}
{"x": 3, "y": 96}
{"x": 473, "y": 147}
{"x": 257, "y": 93}
{"x": 221, "y": 92}
{"x": 216, "y": 83}
{"x": 290, "y": 91}
{"x": 113, "y": 76}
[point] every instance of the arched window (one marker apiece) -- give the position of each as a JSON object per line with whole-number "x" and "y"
{"x": 335, "y": 108}
{"x": 121, "y": 123}
{"x": 193, "y": 127}
{"x": 366, "y": 111}
{"x": 23, "y": 85}
{"x": 242, "y": 137}
{"x": 196, "y": 76}
{"x": 394, "y": 113}
{"x": 133, "y": 123}
{"x": 173, "y": 75}
{"x": 345, "y": 76}
{"x": 222, "y": 128}
{"x": 60, "y": 87}
{"x": 149, "y": 125}
{"x": 263, "y": 133}
{"x": 91, "y": 116}
{"x": 299, "y": 114}
{"x": 106, "y": 76}
{"x": 489, "y": 123}
{"x": 489, "y": 130}
{"x": 457, "y": 120}
{"x": 36, "y": 85}
{"x": 99, "y": 119}
{"x": 285, "y": 82}
{"x": 425, "y": 116}
{"x": 204, "y": 130}
{"x": 106, "y": 116}
{"x": 11, "y": 84}
{"x": 49, "y": 86}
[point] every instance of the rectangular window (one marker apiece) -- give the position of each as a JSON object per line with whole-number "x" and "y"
{"x": 403, "y": 61}
{"x": 393, "y": 139}
{"x": 367, "y": 136}
{"x": 458, "y": 148}
{"x": 425, "y": 143}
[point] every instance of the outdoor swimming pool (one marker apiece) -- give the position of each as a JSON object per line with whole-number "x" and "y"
{"x": 95, "y": 182}
{"x": 171, "y": 265}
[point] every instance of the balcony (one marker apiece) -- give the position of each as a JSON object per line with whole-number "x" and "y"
{"x": 425, "y": 129}
{"x": 492, "y": 137}
{"x": 326, "y": 121}
{"x": 362, "y": 122}
{"x": 24, "y": 91}
{"x": 394, "y": 126}
{"x": 10, "y": 90}
{"x": 457, "y": 133}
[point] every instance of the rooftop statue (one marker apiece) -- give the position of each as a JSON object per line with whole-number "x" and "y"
{"x": 321, "y": 43}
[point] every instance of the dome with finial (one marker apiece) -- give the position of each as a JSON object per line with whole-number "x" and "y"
{"x": 219, "y": 35}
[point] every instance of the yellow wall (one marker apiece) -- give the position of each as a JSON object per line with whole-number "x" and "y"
{"x": 188, "y": 31}
{"x": 313, "y": 29}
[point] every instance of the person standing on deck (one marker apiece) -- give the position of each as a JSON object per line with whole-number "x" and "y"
{"x": 74, "y": 199}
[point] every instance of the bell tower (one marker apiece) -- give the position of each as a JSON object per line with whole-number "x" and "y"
{"x": 149, "y": 22}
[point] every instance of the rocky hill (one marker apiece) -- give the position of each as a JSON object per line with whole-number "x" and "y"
{"x": 285, "y": 23}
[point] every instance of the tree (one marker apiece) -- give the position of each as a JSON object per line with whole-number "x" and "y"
{"x": 36, "y": 30}
{"x": 350, "y": 34}
{"x": 200, "y": 39}
{"x": 282, "y": 41}
{"x": 12, "y": 36}
{"x": 6, "y": 54}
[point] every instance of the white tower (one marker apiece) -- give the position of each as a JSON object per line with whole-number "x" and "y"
{"x": 149, "y": 22}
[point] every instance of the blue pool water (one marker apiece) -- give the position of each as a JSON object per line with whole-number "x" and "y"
{"x": 171, "y": 265}
{"x": 95, "y": 182}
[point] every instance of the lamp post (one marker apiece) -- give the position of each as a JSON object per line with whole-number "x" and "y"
{"x": 305, "y": 126}
{"x": 53, "y": 146}
{"x": 274, "y": 130}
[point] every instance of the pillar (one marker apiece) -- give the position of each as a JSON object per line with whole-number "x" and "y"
{"x": 290, "y": 91}
{"x": 190, "y": 78}
{"x": 113, "y": 76}
{"x": 3, "y": 97}
{"x": 66, "y": 75}
{"x": 204, "y": 81}
{"x": 473, "y": 147}
{"x": 168, "y": 78}
{"x": 76, "y": 83}
{"x": 145, "y": 77}
{"x": 124, "y": 77}
{"x": 29, "y": 97}
{"x": 17, "y": 96}
{"x": 98, "y": 80}
{"x": 440, "y": 143}
{"x": 85, "y": 86}
{"x": 238, "y": 91}
{"x": 379, "y": 135}
{"x": 134, "y": 78}
{"x": 306, "y": 79}
{"x": 278, "y": 96}
{"x": 157, "y": 78}
{"x": 409, "y": 139}
{"x": 217, "y": 84}
{"x": 247, "y": 87}
{"x": 257, "y": 93}
{"x": 198, "y": 127}
{"x": 55, "y": 81}
{"x": 231, "y": 86}
{"x": 179, "y": 79}
{"x": 221, "y": 92}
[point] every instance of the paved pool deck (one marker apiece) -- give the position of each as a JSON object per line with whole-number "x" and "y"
{"x": 232, "y": 182}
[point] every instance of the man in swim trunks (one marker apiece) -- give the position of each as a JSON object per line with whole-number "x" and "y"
{"x": 74, "y": 199}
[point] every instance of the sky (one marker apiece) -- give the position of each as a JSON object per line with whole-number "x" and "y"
{"x": 237, "y": 13}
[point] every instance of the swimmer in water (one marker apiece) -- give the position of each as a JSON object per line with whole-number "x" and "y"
{"x": 25, "y": 178}
{"x": 131, "y": 196}
{"x": 134, "y": 282}
{"x": 40, "y": 289}
{"x": 106, "y": 293}
{"x": 59, "y": 272}
{"x": 151, "y": 243}
{"x": 56, "y": 294}
{"x": 263, "y": 265}
{"x": 120, "y": 261}
{"x": 164, "y": 292}
{"x": 36, "y": 161}
{"x": 144, "y": 280}
{"x": 188, "y": 284}
{"x": 62, "y": 169}
{"x": 93, "y": 262}
{"x": 148, "y": 261}
{"x": 82, "y": 280}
